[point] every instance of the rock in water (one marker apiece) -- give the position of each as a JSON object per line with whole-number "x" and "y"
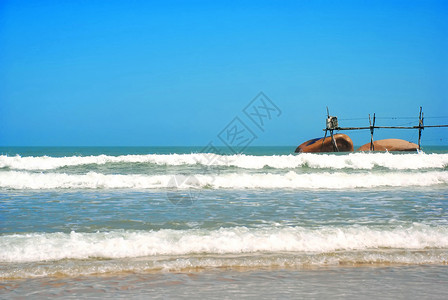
{"x": 390, "y": 145}
{"x": 343, "y": 141}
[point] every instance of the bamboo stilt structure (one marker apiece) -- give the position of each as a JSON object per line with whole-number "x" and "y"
{"x": 332, "y": 124}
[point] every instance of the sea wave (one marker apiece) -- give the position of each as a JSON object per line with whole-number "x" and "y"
{"x": 38, "y": 247}
{"x": 242, "y": 261}
{"x": 367, "y": 161}
{"x": 291, "y": 179}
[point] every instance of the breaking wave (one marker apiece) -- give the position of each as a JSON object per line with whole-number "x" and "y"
{"x": 35, "y": 247}
{"x": 291, "y": 179}
{"x": 365, "y": 161}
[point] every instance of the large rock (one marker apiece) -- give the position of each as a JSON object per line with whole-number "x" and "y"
{"x": 390, "y": 145}
{"x": 343, "y": 141}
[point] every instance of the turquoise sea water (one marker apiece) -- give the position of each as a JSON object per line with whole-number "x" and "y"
{"x": 173, "y": 221}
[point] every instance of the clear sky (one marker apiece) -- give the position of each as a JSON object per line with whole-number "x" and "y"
{"x": 143, "y": 73}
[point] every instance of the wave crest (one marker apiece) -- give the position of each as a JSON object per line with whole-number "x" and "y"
{"x": 364, "y": 161}
{"x": 125, "y": 244}
{"x": 291, "y": 179}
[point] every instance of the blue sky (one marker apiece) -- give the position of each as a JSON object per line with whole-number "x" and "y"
{"x": 145, "y": 73}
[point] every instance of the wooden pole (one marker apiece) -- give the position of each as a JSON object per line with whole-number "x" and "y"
{"x": 326, "y": 130}
{"x": 323, "y": 140}
{"x": 390, "y": 127}
{"x": 420, "y": 128}
{"x": 374, "y": 118}
{"x": 335, "y": 146}
{"x": 372, "y": 128}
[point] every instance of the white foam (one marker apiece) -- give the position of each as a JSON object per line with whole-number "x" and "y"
{"x": 333, "y": 161}
{"x": 291, "y": 179}
{"x": 37, "y": 247}
{"x": 196, "y": 262}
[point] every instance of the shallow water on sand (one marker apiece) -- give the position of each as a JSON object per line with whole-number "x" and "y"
{"x": 387, "y": 282}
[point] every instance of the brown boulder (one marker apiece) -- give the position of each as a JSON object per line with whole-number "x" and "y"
{"x": 390, "y": 145}
{"x": 343, "y": 142}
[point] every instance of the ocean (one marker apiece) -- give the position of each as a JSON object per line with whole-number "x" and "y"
{"x": 175, "y": 222}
